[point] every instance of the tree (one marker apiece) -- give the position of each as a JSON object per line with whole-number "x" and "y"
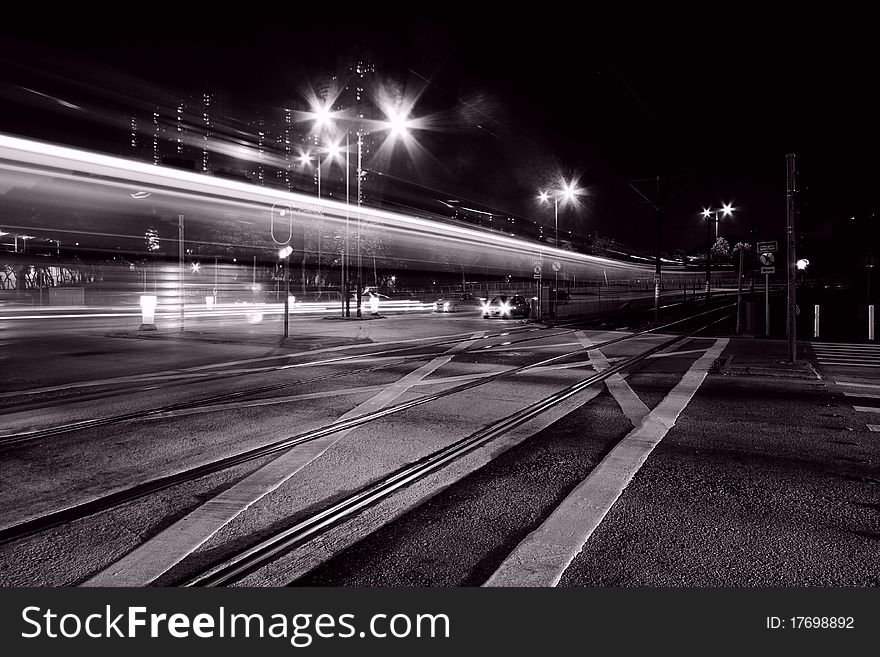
{"x": 721, "y": 249}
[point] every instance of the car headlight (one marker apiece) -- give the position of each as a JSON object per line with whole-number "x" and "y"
{"x": 445, "y": 306}
{"x": 505, "y": 307}
{"x": 434, "y": 305}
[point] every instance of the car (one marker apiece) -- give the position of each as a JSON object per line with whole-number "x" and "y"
{"x": 507, "y": 306}
{"x": 455, "y": 302}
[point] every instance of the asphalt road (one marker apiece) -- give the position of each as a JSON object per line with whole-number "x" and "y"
{"x": 754, "y": 481}
{"x": 763, "y": 481}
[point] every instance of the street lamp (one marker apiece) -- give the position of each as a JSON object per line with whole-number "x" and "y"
{"x": 332, "y": 151}
{"x": 567, "y": 192}
{"x": 726, "y": 211}
{"x": 397, "y": 121}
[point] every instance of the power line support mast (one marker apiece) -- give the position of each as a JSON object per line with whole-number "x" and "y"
{"x": 791, "y": 267}
{"x": 657, "y": 270}
{"x": 739, "y": 292}
{"x": 181, "y": 267}
{"x": 360, "y": 288}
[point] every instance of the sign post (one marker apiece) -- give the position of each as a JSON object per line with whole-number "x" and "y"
{"x": 766, "y": 250}
{"x": 538, "y": 281}
{"x": 556, "y": 267}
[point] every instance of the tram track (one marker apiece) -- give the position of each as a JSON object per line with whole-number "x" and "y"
{"x": 48, "y": 432}
{"x": 124, "y": 495}
{"x": 233, "y": 568}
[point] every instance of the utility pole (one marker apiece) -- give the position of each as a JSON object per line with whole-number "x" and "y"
{"x": 708, "y": 256}
{"x": 346, "y": 300}
{"x": 181, "y": 265}
{"x": 791, "y": 267}
{"x": 739, "y": 291}
{"x": 657, "y": 205}
{"x": 360, "y": 146}
{"x": 657, "y": 270}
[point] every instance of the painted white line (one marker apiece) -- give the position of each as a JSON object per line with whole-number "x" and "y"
{"x": 847, "y": 350}
{"x": 843, "y": 344}
{"x": 858, "y": 385}
{"x": 849, "y": 359}
{"x": 633, "y": 408}
{"x": 867, "y": 409}
{"x": 864, "y": 395}
{"x": 542, "y": 557}
{"x": 873, "y": 427}
{"x": 184, "y": 372}
{"x": 666, "y": 354}
{"x": 823, "y": 362}
{"x": 155, "y": 557}
{"x": 312, "y": 554}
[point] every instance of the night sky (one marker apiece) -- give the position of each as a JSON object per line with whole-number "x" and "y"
{"x": 711, "y": 104}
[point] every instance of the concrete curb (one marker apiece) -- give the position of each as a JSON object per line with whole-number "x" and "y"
{"x": 804, "y": 370}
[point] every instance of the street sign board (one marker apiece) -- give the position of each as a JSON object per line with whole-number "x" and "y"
{"x": 767, "y": 247}
{"x": 537, "y": 276}
{"x": 767, "y": 258}
{"x": 536, "y": 262}
{"x": 538, "y": 269}
{"x": 768, "y": 270}
{"x": 556, "y": 265}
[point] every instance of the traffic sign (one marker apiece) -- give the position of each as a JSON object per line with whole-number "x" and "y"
{"x": 556, "y": 265}
{"x": 536, "y": 262}
{"x": 767, "y": 258}
{"x": 767, "y": 247}
{"x": 537, "y": 275}
{"x": 538, "y": 269}
{"x": 768, "y": 270}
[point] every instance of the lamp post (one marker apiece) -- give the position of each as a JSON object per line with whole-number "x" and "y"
{"x": 284, "y": 255}
{"x": 323, "y": 117}
{"x": 567, "y": 192}
{"x": 398, "y": 122}
{"x": 726, "y": 211}
{"x": 306, "y": 158}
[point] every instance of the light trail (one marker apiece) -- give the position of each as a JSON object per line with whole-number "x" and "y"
{"x": 471, "y": 246}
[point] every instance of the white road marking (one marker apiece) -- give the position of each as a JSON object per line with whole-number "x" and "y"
{"x": 156, "y": 556}
{"x": 867, "y": 409}
{"x": 633, "y": 408}
{"x": 873, "y": 427}
{"x": 666, "y": 354}
{"x": 542, "y": 557}
{"x": 864, "y": 395}
{"x": 200, "y": 370}
{"x": 858, "y": 385}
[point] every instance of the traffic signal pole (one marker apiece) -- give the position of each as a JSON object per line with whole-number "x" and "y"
{"x": 791, "y": 267}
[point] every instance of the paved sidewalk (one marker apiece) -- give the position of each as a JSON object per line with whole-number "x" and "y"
{"x": 765, "y": 357}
